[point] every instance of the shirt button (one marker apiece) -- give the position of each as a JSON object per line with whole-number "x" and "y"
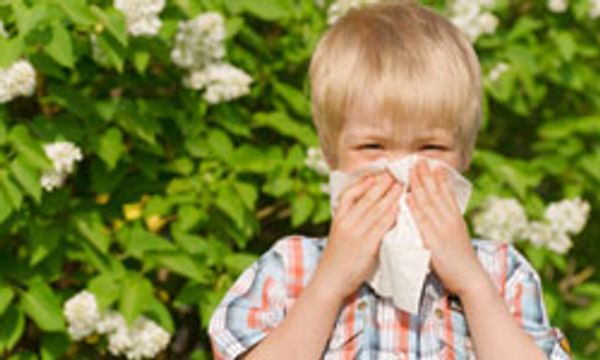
{"x": 362, "y": 305}
{"x": 439, "y": 313}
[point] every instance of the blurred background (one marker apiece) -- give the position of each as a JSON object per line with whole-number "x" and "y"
{"x": 151, "y": 150}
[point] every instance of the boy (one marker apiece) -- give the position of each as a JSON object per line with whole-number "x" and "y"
{"x": 389, "y": 80}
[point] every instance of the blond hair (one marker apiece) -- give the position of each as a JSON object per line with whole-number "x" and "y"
{"x": 407, "y": 60}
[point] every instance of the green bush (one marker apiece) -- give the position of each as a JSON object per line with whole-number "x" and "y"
{"x": 164, "y": 183}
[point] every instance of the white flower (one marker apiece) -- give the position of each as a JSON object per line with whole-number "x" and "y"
{"x": 199, "y": 41}
{"x": 501, "y": 220}
{"x": 497, "y": 71}
{"x": 340, "y": 7}
{"x": 471, "y": 17}
{"x": 147, "y": 339}
{"x": 119, "y": 341}
{"x": 3, "y": 32}
{"x": 81, "y": 312}
{"x": 98, "y": 54}
{"x": 594, "y": 9}
{"x": 17, "y": 80}
{"x": 110, "y": 321}
{"x": 558, "y": 6}
{"x": 52, "y": 179}
{"x": 222, "y": 82}
{"x": 144, "y": 339}
{"x": 568, "y": 215}
{"x": 63, "y": 155}
{"x": 141, "y": 15}
{"x": 316, "y": 161}
{"x": 544, "y": 234}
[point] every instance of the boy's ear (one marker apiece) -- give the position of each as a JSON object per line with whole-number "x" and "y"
{"x": 466, "y": 162}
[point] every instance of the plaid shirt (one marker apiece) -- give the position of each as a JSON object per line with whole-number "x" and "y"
{"x": 368, "y": 326}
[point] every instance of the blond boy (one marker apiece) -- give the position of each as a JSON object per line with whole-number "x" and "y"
{"x": 389, "y": 80}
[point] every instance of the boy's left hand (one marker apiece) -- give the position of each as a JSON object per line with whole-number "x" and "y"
{"x": 444, "y": 230}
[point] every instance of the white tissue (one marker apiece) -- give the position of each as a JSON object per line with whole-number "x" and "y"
{"x": 403, "y": 260}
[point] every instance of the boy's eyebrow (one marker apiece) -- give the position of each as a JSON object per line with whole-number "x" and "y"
{"x": 436, "y": 134}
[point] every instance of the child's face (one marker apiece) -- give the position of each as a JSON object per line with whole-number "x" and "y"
{"x": 360, "y": 144}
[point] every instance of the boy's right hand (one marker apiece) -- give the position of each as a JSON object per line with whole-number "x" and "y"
{"x": 365, "y": 212}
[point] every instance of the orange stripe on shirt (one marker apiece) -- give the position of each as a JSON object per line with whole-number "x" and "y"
{"x": 296, "y": 269}
{"x": 449, "y": 329}
{"x": 517, "y": 303}
{"x": 402, "y": 329}
{"x": 349, "y": 349}
{"x": 252, "y": 319}
{"x": 503, "y": 266}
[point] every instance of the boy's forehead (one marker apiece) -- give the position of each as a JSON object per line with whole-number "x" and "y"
{"x": 410, "y": 129}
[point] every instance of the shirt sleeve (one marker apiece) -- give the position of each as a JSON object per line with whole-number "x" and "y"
{"x": 250, "y": 308}
{"x": 526, "y": 303}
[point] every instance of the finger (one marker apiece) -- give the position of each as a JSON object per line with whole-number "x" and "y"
{"x": 420, "y": 219}
{"x": 382, "y": 208}
{"x": 353, "y": 193}
{"x": 371, "y": 196}
{"x": 384, "y": 223}
{"x": 421, "y": 199}
{"x": 442, "y": 178}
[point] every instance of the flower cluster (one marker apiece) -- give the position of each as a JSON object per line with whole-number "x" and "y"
{"x": 63, "y": 155}
{"x": 340, "y": 7}
{"x": 316, "y": 161}
{"x": 501, "y": 220}
{"x": 473, "y": 17}
{"x": 17, "y": 80}
{"x": 143, "y": 339}
{"x": 200, "y": 49}
{"x": 558, "y": 6}
{"x": 141, "y": 15}
{"x": 3, "y": 32}
{"x": 505, "y": 220}
{"x": 594, "y": 9}
{"x": 223, "y": 82}
{"x": 497, "y": 71}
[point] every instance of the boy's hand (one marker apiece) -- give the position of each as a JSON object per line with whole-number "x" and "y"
{"x": 365, "y": 212}
{"x": 443, "y": 230}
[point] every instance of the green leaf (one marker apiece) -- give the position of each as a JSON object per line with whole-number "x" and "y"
{"x": 139, "y": 241}
{"x": 228, "y": 200}
{"x": 270, "y": 10}
{"x": 90, "y": 226}
{"x": 29, "y": 18}
{"x": 184, "y": 265}
{"x": 302, "y": 207}
{"x": 110, "y": 147}
{"x": 31, "y": 150}
{"x": 43, "y": 306}
{"x": 115, "y": 51}
{"x": 284, "y": 125}
{"x": 54, "y": 345}
{"x": 296, "y": 99}
{"x": 60, "y": 47}
{"x": 5, "y": 208}
{"x": 162, "y": 314}
{"x": 134, "y": 296}
{"x": 248, "y": 194}
{"x": 6, "y": 296}
{"x": 141, "y": 59}
{"x": 10, "y": 50}
{"x": 114, "y": 21}
{"x": 220, "y": 144}
{"x": 12, "y": 327}
{"x": 12, "y": 191}
{"x": 77, "y": 10}
{"x": 106, "y": 287}
{"x": 28, "y": 177}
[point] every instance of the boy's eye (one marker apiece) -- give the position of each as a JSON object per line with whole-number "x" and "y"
{"x": 433, "y": 147}
{"x": 370, "y": 146}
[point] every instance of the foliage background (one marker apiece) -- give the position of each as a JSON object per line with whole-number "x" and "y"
{"x": 174, "y": 198}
